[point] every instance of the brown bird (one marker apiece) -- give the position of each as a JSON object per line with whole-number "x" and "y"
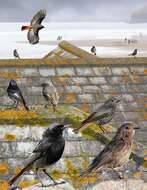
{"x": 51, "y": 95}
{"x": 116, "y": 153}
{"x": 35, "y": 27}
{"x": 101, "y": 115}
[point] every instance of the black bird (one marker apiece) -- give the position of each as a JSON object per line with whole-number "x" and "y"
{"x": 93, "y": 50}
{"x": 35, "y": 27}
{"x": 134, "y": 53}
{"x": 48, "y": 151}
{"x": 16, "y": 55}
{"x": 116, "y": 153}
{"x": 15, "y": 94}
{"x": 101, "y": 115}
{"x": 51, "y": 95}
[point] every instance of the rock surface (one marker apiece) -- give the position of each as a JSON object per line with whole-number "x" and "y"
{"x": 120, "y": 185}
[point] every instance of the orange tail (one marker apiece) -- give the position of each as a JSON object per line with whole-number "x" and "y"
{"x": 25, "y": 28}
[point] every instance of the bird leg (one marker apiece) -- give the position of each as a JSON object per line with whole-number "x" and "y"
{"x": 39, "y": 177}
{"x": 102, "y": 129}
{"x": 46, "y": 106}
{"x": 54, "y": 182}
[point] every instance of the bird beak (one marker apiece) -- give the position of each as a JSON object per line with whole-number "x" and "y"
{"x": 66, "y": 126}
{"x": 136, "y": 128}
{"x": 118, "y": 100}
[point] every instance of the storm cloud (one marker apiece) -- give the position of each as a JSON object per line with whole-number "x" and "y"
{"x": 69, "y": 10}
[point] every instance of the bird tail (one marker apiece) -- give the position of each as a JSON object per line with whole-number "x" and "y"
{"x": 25, "y": 28}
{"x": 86, "y": 172}
{"x": 25, "y": 105}
{"x": 82, "y": 126}
{"x": 27, "y": 167}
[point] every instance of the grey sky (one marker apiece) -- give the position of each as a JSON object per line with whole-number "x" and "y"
{"x": 70, "y": 10}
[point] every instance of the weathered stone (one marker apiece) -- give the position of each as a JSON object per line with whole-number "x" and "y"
{"x": 120, "y": 70}
{"x": 120, "y": 185}
{"x": 97, "y": 80}
{"x": 28, "y": 72}
{"x": 45, "y": 72}
{"x": 86, "y": 98}
{"x": 91, "y": 89}
{"x": 75, "y": 89}
{"x": 65, "y": 71}
{"x": 138, "y": 70}
{"x": 101, "y": 71}
{"x": 84, "y": 71}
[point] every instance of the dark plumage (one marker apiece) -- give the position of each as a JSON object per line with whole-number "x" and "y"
{"x": 16, "y": 55}
{"x": 93, "y": 50}
{"x": 15, "y": 94}
{"x": 35, "y": 27}
{"x": 134, "y": 53}
{"x": 101, "y": 115}
{"x": 48, "y": 151}
{"x": 51, "y": 95}
{"x": 116, "y": 153}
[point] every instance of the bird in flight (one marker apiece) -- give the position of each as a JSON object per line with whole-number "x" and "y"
{"x": 34, "y": 27}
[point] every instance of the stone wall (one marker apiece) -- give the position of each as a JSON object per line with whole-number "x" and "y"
{"x": 81, "y": 86}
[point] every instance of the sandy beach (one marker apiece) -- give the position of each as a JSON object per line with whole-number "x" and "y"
{"x": 113, "y": 47}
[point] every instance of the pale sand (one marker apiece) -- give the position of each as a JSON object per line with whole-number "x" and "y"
{"x": 119, "y": 45}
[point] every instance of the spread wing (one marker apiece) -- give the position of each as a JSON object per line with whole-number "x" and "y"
{"x": 38, "y": 18}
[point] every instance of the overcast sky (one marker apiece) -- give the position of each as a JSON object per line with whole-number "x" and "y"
{"x": 70, "y": 10}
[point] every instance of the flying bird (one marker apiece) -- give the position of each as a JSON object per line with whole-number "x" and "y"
{"x": 51, "y": 95}
{"x": 15, "y": 94}
{"x": 48, "y": 151}
{"x": 93, "y": 50}
{"x": 134, "y": 53}
{"x": 35, "y": 27}
{"x": 16, "y": 54}
{"x": 116, "y": 153}
{"x": 101, "y": 115}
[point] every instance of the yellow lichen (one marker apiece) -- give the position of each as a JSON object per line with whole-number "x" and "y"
{"x": 9, "y": 137}
{"x": 137, "y": 175}
{"x": 24, "y": 184}
{"x": 3, "y": 169}
{"x": 4, "y": 185}
{"x": 56, "y": 174}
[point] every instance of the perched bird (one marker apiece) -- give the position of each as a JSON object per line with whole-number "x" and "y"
{"x": 51, "y": 95}
{"x": 48, "y": 151}
{"x": 134, "y": 53}
{"x": 101, "y": 115}
{"x": 16, "y": 55}
{"x": 116, "y": 153}
{"x": 15, "y": 94}
{"x": 35, "y": 27}
{"x": 93, "y": 50}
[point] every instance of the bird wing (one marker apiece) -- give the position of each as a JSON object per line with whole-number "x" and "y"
{"x": 39, "y": 16}
{"x": 43, "y": 146}
{"x": 98, "y": 114}
{"x": 106, "y": 156}
{"x": 32, "y": 37}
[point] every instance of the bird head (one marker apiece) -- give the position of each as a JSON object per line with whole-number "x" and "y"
{"x": 113, "y": 101}
{"x": 55, "y": 130}
{"x": 13, "y": 83}
{"x": 44, "y": 85}
{"x": 126, "y": 131}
